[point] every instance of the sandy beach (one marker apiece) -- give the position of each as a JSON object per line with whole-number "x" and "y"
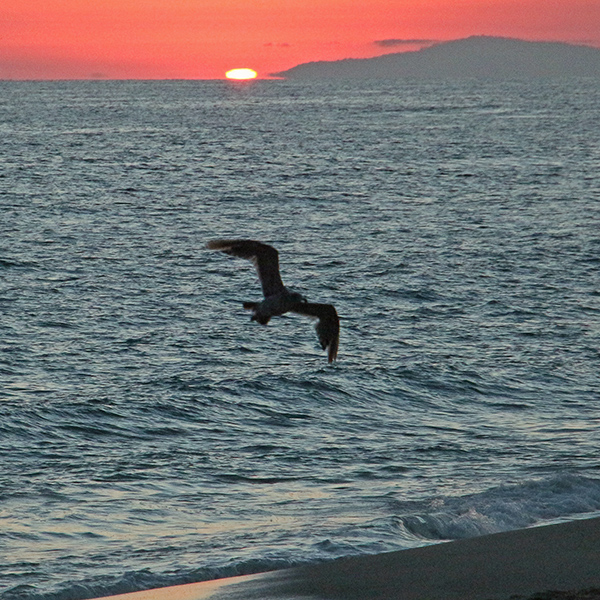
{"x": 552, "y": 562}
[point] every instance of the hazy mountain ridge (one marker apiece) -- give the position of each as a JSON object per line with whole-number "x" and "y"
{"x": 476, "y": 56}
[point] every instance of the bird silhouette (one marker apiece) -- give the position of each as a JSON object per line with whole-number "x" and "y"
{"x": 277, "y": 298}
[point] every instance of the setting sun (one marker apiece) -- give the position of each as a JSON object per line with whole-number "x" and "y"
{"x": 241, "y": 74}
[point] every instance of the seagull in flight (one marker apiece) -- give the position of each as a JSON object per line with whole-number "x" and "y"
{"x": 278, "y": 299}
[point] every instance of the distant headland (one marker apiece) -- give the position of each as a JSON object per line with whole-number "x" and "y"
{"x": 476, "y": 56}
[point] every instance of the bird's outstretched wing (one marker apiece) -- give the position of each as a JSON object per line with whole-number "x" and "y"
{"x": 328, "y": 326}
{"x": 264, "y": 257}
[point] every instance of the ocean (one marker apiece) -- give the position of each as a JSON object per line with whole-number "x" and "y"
{"x": 151, "y": 435}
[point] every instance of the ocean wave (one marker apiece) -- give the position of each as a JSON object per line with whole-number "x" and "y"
{"x": 151, "y": 434}
{"x": 558, "y": 498}
{"x": 134, "y": 581}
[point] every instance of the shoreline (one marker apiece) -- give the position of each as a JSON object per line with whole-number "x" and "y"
{"x": 521, "y": 564}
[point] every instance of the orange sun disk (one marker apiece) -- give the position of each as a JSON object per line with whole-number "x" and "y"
{"x": 241, "y": 74}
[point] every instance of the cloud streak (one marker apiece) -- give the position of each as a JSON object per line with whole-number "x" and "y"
{"x": 391, "y": 43}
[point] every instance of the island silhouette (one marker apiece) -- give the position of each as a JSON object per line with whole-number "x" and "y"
{"x": 475, "y": 56}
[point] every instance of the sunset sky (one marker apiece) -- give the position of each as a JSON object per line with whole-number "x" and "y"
{"x": 202, "y": 39}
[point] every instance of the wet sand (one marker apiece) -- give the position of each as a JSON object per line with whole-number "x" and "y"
{"x": 517, "y": 565}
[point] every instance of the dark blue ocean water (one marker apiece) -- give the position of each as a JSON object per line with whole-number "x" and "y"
{"x": 150, "y": 434}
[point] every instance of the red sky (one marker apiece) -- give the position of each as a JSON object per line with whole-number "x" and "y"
{"x": 201, "y": 39}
